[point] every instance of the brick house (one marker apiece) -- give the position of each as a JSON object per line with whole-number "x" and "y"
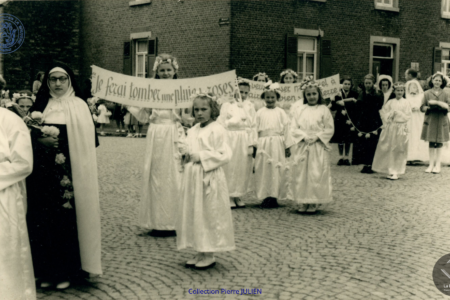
{"x": 319, "y": 38}
{"x": 313, "y": 37}
{"x": 51, "y": 33}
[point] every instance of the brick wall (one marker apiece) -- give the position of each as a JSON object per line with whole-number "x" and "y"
{"x": 51, "y": 33}
{"x": 187, "y": 29}
{"x": 259, "y": 29}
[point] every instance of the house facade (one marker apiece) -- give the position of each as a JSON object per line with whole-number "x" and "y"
{"x": 313, "y": 37}
{"x": 51, "y": 33}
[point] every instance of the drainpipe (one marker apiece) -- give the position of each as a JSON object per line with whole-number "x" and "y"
{"x": 1, "y": 56}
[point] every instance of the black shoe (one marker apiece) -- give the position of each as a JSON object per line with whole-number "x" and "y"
{"x": 269, "y": 202}
{"x": 340, "y": 162}
{"x": 265, "y": 203}
{"x": 162, "y": 233}
{"x": 364, "y": 169}
{"x": 347, "y": 162}
{"x": 369, "y": 170}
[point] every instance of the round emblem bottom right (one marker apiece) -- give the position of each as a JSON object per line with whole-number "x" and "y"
{"x": 441, "y": 274}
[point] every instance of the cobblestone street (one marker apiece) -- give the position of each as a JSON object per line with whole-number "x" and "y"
{"x": 379, "y": 240}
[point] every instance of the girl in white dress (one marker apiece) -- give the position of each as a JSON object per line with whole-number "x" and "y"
{"x": 417, "y": 149}
{"x": 274, "y": 141}
{"x": 161, "y": 185}
{"x": 204, "y": 221}
{"x": 16, "y": 163}
{"x": 311, "y": 129}
{"x": 238, "y": 118}
{"x": 392, "y": 149}
{"x": 288, "y": 76}
{"x": 264, "y": 78}
{"x": 103, "y": 117}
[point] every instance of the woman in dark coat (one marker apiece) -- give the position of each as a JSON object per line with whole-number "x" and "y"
{"x": 435, "y": 129}
{"x": 343, "y": 136}
{"x": 367, "y": 124}
{"x": 63, "y": 216}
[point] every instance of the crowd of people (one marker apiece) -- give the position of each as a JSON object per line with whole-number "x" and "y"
{"x": 199, "y": 162}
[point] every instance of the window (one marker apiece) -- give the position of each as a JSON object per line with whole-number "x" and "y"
{"x": 384, "y": 56}
{"x": 139, "y": 55}
{"x": 309, "y": 54}
{"x": 141, "y": 58}
{"x": 307, "y": 57}
{"x": 445, "y": 11}
{"x": 383, "y": 51}
{"x": 390, "y": 5}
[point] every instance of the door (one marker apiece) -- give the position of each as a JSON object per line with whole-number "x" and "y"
{"x": 446, "y": 67}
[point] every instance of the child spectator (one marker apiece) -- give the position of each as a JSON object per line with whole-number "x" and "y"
{"x": 435, "y": 129}
{"x": 345, "y": 112}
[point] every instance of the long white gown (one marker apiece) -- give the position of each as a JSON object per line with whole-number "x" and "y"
{"x": 271, "y": 166}
{"x": 204, "y": 221}
{"x": 239, "y": 121}
{"x": 16, "y": 163}
{"x": 417, "y": 148}
{"x": 162, "y": 168}
{"x": 392, "y": 149}
{"x": 311, "y": 175}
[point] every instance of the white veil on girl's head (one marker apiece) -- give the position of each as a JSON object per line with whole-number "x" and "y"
{"x": 413, "y": 88}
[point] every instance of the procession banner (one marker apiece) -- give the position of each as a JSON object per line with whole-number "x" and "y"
{"x": 155, "y": 93}
{"x": 293, "y": 92}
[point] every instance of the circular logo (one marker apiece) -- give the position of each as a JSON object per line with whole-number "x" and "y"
{"x": 441, "y": 274}
{"x": 12, "y": 33}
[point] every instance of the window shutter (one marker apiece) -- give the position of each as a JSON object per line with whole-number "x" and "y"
{"x": 325, "y": 62}
{"x": 127, "y": 58}
{"x": 437, "y": 59}
{"x": 291, "y": 52}
{"x": 152, "y": 52}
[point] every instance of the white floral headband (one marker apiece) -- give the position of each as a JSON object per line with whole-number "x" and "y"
{"x": 159, "y": 61}
{"x": 270, "y": 86}
{"x": 309, "y": 82}
{"x": 17, "y": 96}
{"x": 261, "y": 74}
{"x": 198, "y": 95}
{"x": 289, "y": 72}
{"x": 399, "y": 85}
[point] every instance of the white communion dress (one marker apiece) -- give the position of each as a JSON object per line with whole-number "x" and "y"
{"x": 417, "y": 148}
{"x": 239, "y": 121}
{"x": 310, "y": 168}
{"x": 16, "y": 163}
{"x": 162, "y": 168}
{"x": 204, "y": 221}
{"x": 271, "y": 166}
{"x": 392, "y": 149}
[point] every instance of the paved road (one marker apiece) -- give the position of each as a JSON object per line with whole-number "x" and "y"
{"x": 379, "y": 240}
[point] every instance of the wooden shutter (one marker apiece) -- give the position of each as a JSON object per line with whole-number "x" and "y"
{"x": 291, "y": 52}
{"x": 152, "y": 52}
{"x": 127, "y": 58}
{"x": 437, "y": 60}
{"x": 325, "y": 61}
